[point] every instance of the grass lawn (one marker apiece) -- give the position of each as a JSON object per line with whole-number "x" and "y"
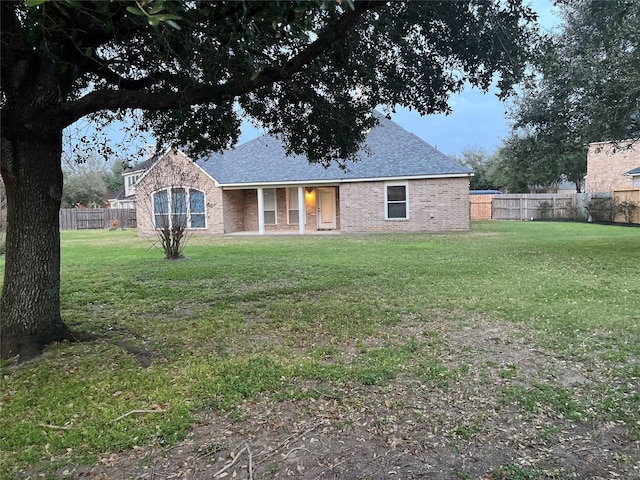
{"x": 540, "y": 320}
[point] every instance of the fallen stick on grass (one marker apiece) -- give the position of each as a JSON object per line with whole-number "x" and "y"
{"x": 55, "y": 427}
{"x": 230, "y": 464}
{"x": 132, "y": 412}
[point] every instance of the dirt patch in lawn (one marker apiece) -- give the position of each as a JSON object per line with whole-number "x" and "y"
{"x": 463, "y": 427}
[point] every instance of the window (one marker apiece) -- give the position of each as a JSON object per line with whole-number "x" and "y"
{"x": 161, "y": 209}
{"x": 133, "y": 179}
{"x": 269, "y": 205}
{"x": 293, "y": 211}
{"x": 396, "y": 202}
{"x": 179, "y": 207}
{"x": 196, "y": 209}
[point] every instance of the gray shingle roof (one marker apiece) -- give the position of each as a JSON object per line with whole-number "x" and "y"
{"x": 634, "y": 172}
{"x": 395, "y": 153}
{"x": 142, "y": 166}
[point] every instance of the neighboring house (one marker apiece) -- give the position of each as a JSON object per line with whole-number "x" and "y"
{"x": 635, "y": 176}
{"x": 610, "y": 166}
{"x": 402, "y": 185}
{"x": 126, "y": 196}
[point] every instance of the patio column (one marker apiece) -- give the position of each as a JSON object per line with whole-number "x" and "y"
{"x": 260, "y": 211}
{"x": 302, "y": 210}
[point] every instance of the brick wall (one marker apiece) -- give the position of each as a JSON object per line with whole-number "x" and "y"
{"x": 435, "y": 205}
{"x": 176, "y": 170}
{"x": 607, "y": 163}
{"x": 233, "y": 211}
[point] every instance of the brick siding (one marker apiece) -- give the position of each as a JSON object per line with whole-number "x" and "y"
{"x": 176, "y": 170}
{"x": 607, "y": 163}
{"x": 435, "y": 205}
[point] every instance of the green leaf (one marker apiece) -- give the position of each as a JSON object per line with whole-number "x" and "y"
{"x": 33, "y": 3}
{"x": 157, "y": 7}
{"x": 163, "y": 17}
{"x": 135, "y": 11}
{"x": 173, "y": 24}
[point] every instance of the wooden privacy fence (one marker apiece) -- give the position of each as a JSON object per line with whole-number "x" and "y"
{"x": 87, "y": 218}
{"x": 597, "y": 207}
{"x": 539, "y": 206}
{"x": 627, "y": 195}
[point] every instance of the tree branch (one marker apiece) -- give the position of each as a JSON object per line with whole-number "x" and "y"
{"x": 98, "y": 67}
{"x": 199, "y": 94}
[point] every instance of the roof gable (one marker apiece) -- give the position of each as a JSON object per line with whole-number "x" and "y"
{"x": 142, "y": 166}
{"x": 394, "y": 153}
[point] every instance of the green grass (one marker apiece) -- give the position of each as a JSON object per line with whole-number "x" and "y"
{"x": 242, "y": 316}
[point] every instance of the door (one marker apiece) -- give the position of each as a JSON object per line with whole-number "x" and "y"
{"x": 326, "y": 208}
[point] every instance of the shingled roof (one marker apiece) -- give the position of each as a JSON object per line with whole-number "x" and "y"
{"x": 394, "y": 153}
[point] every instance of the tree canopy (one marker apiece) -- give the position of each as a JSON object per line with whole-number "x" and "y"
{"x": 482, "y": 163}
{"x": 87, "y": 180}
{"x": 585, "y": 88}
{"x": 311, "y": 72}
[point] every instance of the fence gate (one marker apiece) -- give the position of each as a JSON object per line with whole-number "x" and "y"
{"x": 480, "y": 207}
{"x": 631, "y": 195}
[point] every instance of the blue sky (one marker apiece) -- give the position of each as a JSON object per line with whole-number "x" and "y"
{"x": 477, "y": 121}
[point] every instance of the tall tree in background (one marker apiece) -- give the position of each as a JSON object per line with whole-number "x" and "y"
{"x": 113, "y": 179}
{"x": 292, "y": 66}
{"x": 482, "y": 164}
{"x": 85, "y": 181}
{"x": 523, "y": 165}
{"x": 586, "y": 88}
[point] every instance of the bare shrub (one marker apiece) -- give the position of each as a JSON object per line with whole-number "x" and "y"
{"x": 174, "y": 204}
{"x": 600, "y": 209}
{"x": 114, "y": 224}
{"x": 545, "y": 209}
{"x": 627, "y": 209}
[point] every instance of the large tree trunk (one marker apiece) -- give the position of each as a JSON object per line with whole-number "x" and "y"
{"x": 30, "y": 303}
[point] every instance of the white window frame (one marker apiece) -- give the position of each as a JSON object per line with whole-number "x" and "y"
{"x": 275, "y": 205}
{"x": 296, "y": 206}
{"x": 169, "y": 191}
{"x": 387, "y": 202}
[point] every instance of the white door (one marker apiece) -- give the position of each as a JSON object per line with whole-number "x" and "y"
{"x": 326, "y": 208}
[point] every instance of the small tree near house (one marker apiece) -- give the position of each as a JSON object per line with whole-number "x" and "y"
{"x": 169, "y": 194}
{"x": 627, "y": 209}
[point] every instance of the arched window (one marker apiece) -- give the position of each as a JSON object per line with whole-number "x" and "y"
{"x": 179, "y": 207}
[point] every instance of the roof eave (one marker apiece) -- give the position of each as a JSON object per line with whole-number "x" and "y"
{"x": 334, "y": 181}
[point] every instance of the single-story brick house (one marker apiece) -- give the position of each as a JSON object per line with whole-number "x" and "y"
{"x": 400, "y": 184}
{"x": 613, "y": 166}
